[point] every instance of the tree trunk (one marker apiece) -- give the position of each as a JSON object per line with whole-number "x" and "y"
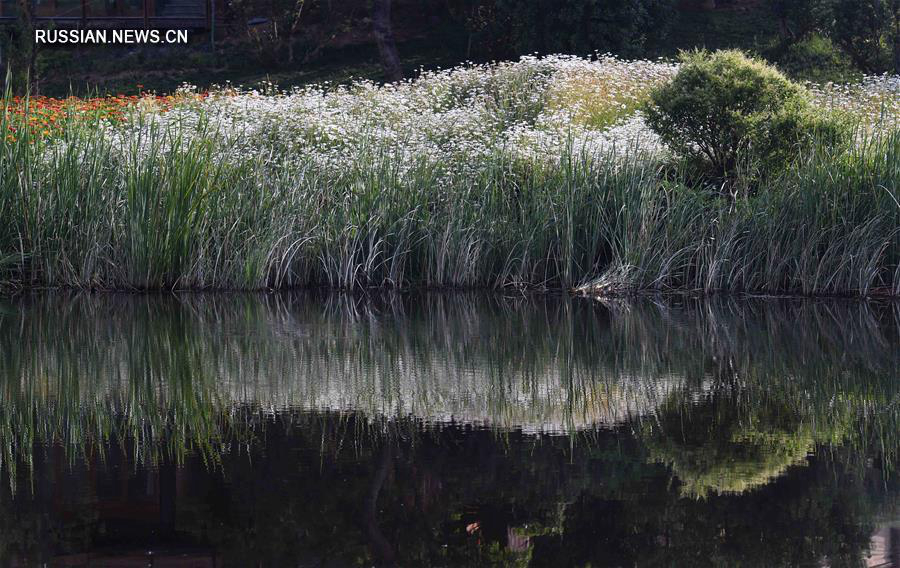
{"x": 296, "y": 18}
{"x": 384, "y": 37}
{"x": 897, "y": 53}
{"x": 896, "y": 34}
{"x": 27, "y": 42}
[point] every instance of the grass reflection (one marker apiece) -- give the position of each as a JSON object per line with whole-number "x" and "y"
{"x": 728, "y": 394}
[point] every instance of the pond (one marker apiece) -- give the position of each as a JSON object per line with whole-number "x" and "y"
{"x": 447, "y": 429}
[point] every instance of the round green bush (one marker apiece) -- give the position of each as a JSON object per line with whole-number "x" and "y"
{"x": 727, "y": 111}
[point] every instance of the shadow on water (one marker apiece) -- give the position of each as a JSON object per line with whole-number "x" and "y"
{"x": 447, "y": 430}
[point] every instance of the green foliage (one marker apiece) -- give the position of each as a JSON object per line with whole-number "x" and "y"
{"x": 816, "y": 59}
{"x": 797, "y": 18}
{"x": 868, "y": 31}
{"x": 727, "y": 111}
{"x": 19, "y": 55}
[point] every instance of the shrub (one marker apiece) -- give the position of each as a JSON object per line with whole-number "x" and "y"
{"x": 724, "y": 110}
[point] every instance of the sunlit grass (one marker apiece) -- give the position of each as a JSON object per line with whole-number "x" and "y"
{"x": 599, "y": 97}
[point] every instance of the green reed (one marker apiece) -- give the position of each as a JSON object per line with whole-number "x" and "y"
{"x": 164, "y": 210}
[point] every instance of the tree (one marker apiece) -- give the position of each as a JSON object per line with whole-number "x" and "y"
{"x": 797, "y": 19}
{"x": 384, "y": 38}
{"x": 284, "y": 19}
{"x": 24, "y": 58}
{"x": 868, "y": 31}
{"x": 297, "y": 31}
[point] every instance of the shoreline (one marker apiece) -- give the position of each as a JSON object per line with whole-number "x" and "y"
{"x": 619, "y": 294}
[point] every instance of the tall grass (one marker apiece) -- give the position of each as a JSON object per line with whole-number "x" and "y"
{"x": 830, "y": 225}
{"x": 172, "y": 211}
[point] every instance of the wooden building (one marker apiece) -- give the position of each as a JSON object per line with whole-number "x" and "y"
{"x": 161, "y": 14}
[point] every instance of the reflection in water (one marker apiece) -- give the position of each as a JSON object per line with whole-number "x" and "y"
{"x": 447, "y": 430}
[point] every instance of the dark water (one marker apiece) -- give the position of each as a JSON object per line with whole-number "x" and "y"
{"x": 447, "y": 430}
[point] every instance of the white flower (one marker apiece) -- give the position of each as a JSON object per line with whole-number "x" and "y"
{"x": 533, "y": 109}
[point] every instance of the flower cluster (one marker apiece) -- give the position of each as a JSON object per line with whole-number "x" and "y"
{"x": 451, "y": 120}
{"x": 47, "y": 117}
{"x": 875, "y": 100}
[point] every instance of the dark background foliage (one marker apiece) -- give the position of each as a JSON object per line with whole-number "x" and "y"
{"x": 295, "y": 42}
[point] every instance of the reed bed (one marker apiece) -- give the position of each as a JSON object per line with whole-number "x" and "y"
{"x": 539, "y": 173}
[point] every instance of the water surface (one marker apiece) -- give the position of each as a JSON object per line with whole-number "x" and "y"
{"x": 447, "y": 430}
